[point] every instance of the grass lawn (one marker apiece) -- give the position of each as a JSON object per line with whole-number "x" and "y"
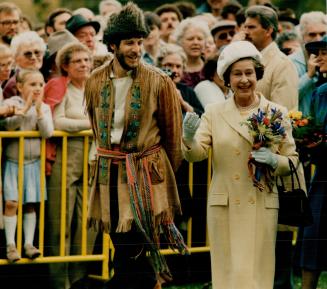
{"x": 321, "y": 285}
{"x": 297, "y": 282}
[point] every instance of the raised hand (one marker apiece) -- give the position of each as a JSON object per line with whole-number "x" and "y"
{"x": 191, "y": 123}
{"x": 312, "y": 65}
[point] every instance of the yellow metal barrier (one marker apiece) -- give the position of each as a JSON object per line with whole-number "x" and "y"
{"x": 104, "y": 257}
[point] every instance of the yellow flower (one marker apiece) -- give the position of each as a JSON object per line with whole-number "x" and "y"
{"x": 295, "y": 114}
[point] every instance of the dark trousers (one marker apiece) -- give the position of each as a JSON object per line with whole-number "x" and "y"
{"x": 132, "y": 268}
{"x": 284, "y": 261}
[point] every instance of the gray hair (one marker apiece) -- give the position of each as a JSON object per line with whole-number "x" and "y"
{"x": 5, "y": 51}
{"x": 169, "y": 49}
{"x": 313, "y": 17}
{"x": 86, "y": 12}
{"x": 27, "y": 38}
{"x": 104, "y": 3}
{"x": 286, "y": 36}
{"x": 190, "y": 23}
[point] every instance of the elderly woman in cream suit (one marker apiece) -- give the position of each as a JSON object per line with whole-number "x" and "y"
{"x": 242, "y": 220}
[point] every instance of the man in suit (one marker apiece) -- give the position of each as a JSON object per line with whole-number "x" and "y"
{"x": 279, "y": 83}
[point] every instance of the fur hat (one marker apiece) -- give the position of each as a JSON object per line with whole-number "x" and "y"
{"x": 127, "y": 23}
{"x": 233, "y": 52}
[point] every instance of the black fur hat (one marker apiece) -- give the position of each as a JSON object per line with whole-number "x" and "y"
{"x": 126, "y": 24}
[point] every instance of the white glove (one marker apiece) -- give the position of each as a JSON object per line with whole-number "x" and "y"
{"x": 265, "y": 156}
{"x": 191, "y": 123}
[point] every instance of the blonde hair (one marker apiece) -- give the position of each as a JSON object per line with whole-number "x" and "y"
{"x": 23, "y": 75}
{"x": 64, "y": 55}
{"x": 5, "y": 51}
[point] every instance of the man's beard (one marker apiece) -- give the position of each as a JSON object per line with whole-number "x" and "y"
{"x": 122, "y": 62}
{"x": 6, "y": 39}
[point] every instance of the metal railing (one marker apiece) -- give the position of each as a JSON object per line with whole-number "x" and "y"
{"x": 62, "y": 257}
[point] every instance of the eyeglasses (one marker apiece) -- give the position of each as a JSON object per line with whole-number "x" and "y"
{"x": 29, "y": 54}
{"x": 224, "y": 35}
{"x": 9, "y": 22}
{"x": 315, "y": 34}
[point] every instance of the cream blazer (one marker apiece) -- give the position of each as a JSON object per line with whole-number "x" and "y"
{"x": 242, "y": 221}
{"x": 280, "y": 80}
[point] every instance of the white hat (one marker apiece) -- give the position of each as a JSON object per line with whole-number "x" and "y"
{"x": 222, "y": 24}
{"x": 233, "y": 52}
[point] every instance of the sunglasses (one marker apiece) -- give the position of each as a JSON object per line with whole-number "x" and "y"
{"x": 315, "y": 34}
{"x": 224, "y": 35}
{"x": 286, "y": 51}
{"x": 29, "y": 54}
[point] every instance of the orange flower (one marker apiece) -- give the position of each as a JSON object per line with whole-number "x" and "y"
{"x": 266, "y": 121}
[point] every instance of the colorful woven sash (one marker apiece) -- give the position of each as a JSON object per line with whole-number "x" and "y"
{"x": 141, "y": 198}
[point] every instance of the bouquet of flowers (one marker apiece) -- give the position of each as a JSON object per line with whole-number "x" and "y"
{"x": 307, "y": 134}
{"x": 266, "y": 129}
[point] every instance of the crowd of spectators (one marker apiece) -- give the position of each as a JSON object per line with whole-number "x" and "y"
{"x": 184, "y": 41}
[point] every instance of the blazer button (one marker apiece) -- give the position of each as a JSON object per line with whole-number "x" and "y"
{"x": 237, "y": 152}
{"x": 237, "y": 202}
{"x": 236, "y": 177}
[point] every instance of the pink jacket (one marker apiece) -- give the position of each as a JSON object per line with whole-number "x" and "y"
{"x": 54, "y": 92}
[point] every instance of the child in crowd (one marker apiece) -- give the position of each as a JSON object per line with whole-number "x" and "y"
{"x": 5, "y": 111}
{"x": 31, "y": 114}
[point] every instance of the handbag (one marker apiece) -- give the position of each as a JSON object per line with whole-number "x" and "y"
{"x": 294, "y": 206}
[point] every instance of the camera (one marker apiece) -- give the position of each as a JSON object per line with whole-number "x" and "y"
{"x": 170, "y": 73}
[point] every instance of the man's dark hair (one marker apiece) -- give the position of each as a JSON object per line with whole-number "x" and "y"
{"x": 240, "y": 16}
{"x": 210, "y": 67}
{"x": 50, "y": 21}
{"x": 188, "y": 9}
{"x": 230, "y": 8}
{"x": 151, "y": 19}
{"x": 266, "y": 16}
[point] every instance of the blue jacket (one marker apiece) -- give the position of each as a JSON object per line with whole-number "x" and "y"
{"x": 306, "y": 84}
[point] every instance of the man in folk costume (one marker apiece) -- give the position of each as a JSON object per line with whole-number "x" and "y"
{"x": 136, "y": 119}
